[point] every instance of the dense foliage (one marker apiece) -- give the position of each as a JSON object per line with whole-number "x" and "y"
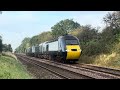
{"x": 64, "y": 27}
{"x": 25, "y": 44}
{"x": 6, "y": 48}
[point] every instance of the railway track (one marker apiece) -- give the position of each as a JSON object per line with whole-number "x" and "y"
{"x": 67, "y": 71}
{"x": 101, "y": 69}
{"x": 55, "y": 73}
{"x": 60, "y": 72}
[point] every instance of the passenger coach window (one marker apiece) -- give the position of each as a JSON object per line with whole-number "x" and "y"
{"x": 72, "y": 42}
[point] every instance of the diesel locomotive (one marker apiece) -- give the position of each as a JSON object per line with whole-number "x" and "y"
{"x": 64, "y": 48}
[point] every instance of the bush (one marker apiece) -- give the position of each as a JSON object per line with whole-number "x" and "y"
{"x": 95, "y": 47}
{"x": 91, "y": 48}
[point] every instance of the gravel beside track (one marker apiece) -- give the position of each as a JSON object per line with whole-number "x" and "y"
{"x": 38, "y": 72}
{"x": 64, "y": 73}
{"x": 67, "y": 71}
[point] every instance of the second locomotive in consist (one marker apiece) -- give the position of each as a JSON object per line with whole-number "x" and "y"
{"x": 64, "y": 48}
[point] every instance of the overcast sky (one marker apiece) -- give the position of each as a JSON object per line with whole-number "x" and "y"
{"x": 16, "y": 25}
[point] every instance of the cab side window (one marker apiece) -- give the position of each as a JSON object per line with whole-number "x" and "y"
{"x": 47, "y": 47}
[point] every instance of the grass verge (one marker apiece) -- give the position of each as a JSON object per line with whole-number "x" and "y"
{"x": 10, "y": 68}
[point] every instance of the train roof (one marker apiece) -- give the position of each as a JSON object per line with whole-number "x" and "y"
{"x": 28, "y": 48}
{"x": 69, "y": 37}
{"x": 35, "y": 46}
{"x": 66, "y": 36}
{"x": 43, "y": 43}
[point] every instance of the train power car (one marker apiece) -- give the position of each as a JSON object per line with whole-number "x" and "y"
{"x": 42, "y": 50}
{"x": 35, "y": 51}
{"x": 29, "y": 51}
{"x": 66, "y": 48}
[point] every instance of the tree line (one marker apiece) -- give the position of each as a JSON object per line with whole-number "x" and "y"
{"x": 91, "y": 40}
{"x": 5, "y": 47}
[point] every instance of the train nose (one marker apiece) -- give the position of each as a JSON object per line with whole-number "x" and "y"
{"x": 73, "y": 51}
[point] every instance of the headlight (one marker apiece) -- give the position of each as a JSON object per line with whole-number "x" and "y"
{"x": 67, "y": 50}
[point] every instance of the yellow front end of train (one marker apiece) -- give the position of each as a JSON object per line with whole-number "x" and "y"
{"x": 73, "y": 52}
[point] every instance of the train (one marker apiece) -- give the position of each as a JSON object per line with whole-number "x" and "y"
{"x": 65, "y": 48}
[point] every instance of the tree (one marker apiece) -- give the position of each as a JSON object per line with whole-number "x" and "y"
{"x": 34, "y": 40}
{"x": 0, "y": 39}
{"x": 87, "y": 33}
{"x": 64, "y": 27}
{"x": 9, "y": 48}
{"x": 112, "y": 20}
{"x": 25, "y": 44}
{"x": 112, "y": 29}
{"x": 44, "y": 36}
{"x": 0, "y": 44}
{"x": 6, "y": 48}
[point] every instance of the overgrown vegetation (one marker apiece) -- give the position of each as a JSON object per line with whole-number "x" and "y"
{"x": 12, "y": 69}
{"x": 101, "y": 48}
{"x": 105, "y": 51}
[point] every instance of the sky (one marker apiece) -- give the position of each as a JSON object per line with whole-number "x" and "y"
{"x": 16, "y": 25}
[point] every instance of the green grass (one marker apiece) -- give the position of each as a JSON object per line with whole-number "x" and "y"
{"x": 11, "y": 68}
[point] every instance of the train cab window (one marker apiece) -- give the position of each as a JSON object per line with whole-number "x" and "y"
{"x": 71, "y": 42}
{"x": 47, "y": 48}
